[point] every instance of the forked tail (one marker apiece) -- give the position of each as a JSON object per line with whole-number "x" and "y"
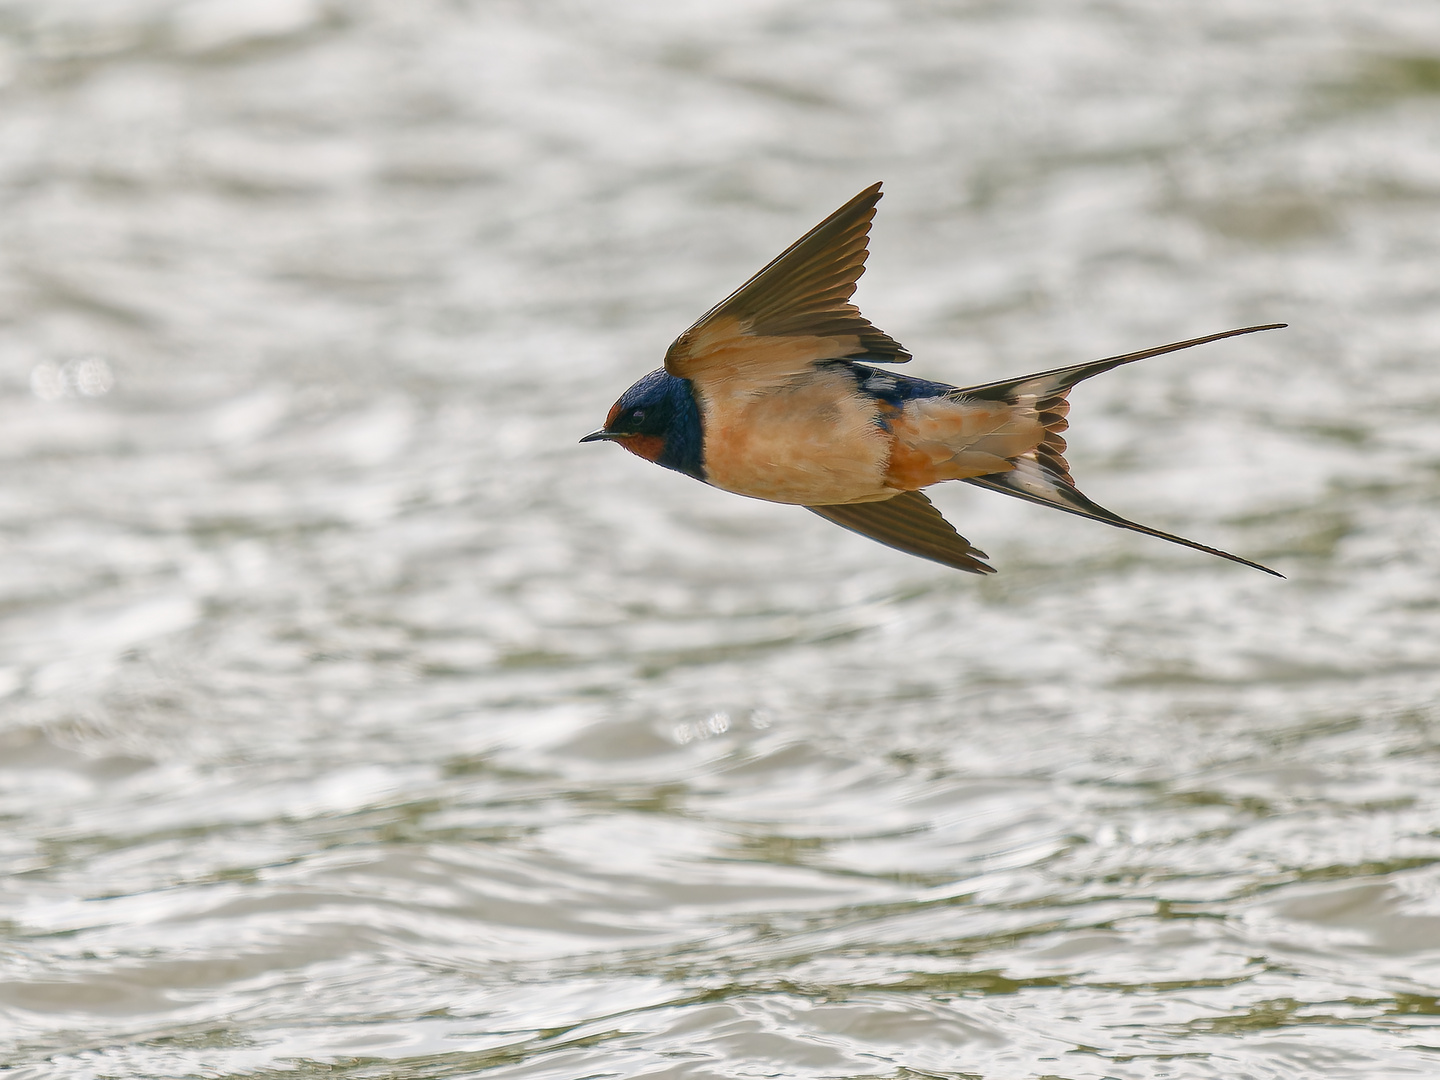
{"x": 1042, "y": 475}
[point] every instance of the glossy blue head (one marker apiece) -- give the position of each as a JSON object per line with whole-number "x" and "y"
{"x": 657, "y": 419}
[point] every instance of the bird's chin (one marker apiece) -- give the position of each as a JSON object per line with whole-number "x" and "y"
{"x": 649, "y": 447}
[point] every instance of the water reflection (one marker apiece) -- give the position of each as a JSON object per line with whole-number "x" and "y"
{"x": 85, "y": 376}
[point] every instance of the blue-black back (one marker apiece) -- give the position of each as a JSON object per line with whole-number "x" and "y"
{"x": 892, "y": 389}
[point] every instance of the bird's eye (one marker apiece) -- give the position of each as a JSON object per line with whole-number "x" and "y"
{"x": 637, "y": 415}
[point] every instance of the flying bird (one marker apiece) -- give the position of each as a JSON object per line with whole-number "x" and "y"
{"x": 773, "y": 394}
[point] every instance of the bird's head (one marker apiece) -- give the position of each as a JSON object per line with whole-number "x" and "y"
{"x": 657, "y": 419}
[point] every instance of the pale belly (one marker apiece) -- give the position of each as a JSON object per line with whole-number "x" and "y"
{"x": 820, "y": 442}
{"x": 812, "y": 443}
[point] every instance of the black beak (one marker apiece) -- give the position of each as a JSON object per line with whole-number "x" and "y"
{"x": 601, "y": 436}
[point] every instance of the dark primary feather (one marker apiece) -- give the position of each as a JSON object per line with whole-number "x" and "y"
{"x": 910, "y": 523}
{"x": 802, "y": 293}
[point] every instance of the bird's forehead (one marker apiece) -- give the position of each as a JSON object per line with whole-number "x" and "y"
{"x": 650, "y": 390}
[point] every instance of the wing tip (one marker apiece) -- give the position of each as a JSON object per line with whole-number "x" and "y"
{"x": 911, "y": 523}
{"x": 805, "y": 291}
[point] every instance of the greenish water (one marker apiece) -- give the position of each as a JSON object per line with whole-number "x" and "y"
{"x": 356, "y": 721}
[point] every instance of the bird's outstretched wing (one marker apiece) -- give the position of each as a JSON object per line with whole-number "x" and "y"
{"x": 910, "y": 523}
{"x": 794, "y": 312}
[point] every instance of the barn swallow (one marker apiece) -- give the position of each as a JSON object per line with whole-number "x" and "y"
{"x": 772, "y": 394}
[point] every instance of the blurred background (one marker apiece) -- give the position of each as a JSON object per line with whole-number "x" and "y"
{"x": 356, "y": 720}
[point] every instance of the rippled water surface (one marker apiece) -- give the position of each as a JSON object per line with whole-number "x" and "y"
{"x": 357, "y": 721}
